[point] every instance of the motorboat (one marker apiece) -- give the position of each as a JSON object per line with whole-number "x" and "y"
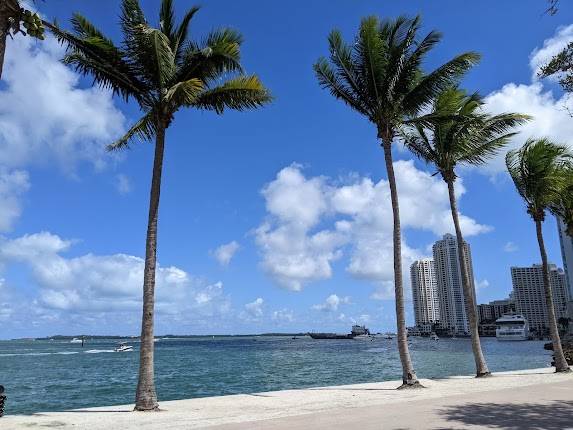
{"x": 434, "y": 336}
{"x": 512, "y": 327}
{"x": 123, "y": 347}
{"x": 76, "y": 340}
{"x": 364, "y": 337}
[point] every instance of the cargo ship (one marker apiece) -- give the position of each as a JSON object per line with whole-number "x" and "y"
{"x": 357, "y": 330}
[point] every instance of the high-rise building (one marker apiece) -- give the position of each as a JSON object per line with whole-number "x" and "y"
{"x": 453, "y": 312}
{"x": 424, "y": 292}
{"x": 529, "y": 294}
{"x": 491, "y": 311}
{"x": 567, "y": 253}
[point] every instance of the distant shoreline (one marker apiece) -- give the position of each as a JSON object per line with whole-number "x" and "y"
{"x": 167, "y": 336}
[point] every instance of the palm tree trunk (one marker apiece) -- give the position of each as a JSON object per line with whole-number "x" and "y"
{"x": 409, "y": 378}
{"x": 469, "y": 292}
{"x": 560, "y": 361}
{"x": 145, "y": 396}
{"x": 3, "y": 34}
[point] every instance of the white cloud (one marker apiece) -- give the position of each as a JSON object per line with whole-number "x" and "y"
{"x": 225, "y": 253}
{"x": 551, "y": 114}
{"x": 107, "y": 283}
{"x": 254, "y": 310}
{"x": 332, "y": 303}
{"x": 551, "y": 47}
{"x": 481, "y": 285}
{"x": 45, "y": 116}
{"x": 122, "y": 184}
{"x": 300, "y": 241}
{"x": 13, "y": 183}
{"x": 510, "y": 247}
{"x": 283, "y": 315}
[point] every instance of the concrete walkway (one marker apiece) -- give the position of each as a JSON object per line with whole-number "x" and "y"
{"x": 534, "y": 399}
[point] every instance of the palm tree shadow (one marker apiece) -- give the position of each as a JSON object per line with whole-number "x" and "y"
{"x": 557, "y": 415}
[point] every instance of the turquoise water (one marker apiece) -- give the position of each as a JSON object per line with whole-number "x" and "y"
{"x": 57, "y": 375}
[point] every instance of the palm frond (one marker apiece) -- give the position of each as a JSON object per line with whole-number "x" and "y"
{"x": 540, "y": 172}
{"x": 329, "y": 79}
{"x": 167, "y": 19}
{"x": 181, "y": 33}
{"x": 240, "y": 93}
{"x": 143, "y": 130}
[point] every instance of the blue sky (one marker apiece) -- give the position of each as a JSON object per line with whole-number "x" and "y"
{"x": 237, "y": 186}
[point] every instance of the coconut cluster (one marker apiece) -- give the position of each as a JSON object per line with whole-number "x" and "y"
{"x": 32, "y": 23}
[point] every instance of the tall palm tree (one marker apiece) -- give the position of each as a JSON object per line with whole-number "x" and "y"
{"x": 163, "y": 71}
{"x": 539, "y": 170}
{"x": 457, "y": 131}
{"x": 380, "y": 76}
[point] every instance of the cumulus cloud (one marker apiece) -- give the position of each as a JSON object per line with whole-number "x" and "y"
{"x": 13, "y": 183}
{"x": 225, "y": 253}
{"x": 106, "y": 283}
{"x": 300, "y": 240}
{"x": 253, "y": 310}
{"x": 481, "y": 285}
{"x": 551, "y": 113}
{"x": 331, "y": 303}
{"x": 45, "y": 116}
{"x": 283, "y": 315}
{"x": 122, "y": 184}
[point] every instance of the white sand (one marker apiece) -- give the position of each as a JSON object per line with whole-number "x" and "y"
{"x": 241, "y": 411}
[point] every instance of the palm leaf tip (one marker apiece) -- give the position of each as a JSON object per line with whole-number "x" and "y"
{"x": 239, "y": 93}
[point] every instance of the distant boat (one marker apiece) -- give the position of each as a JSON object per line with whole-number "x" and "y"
{"x": 434, "y": 336}
{"x": 369, "y": 337}
{"x": 76, "y": 340}
{"x": 123, "y": 347}
{"x": 512, "y": 327}
{"x": 357, "y": 330}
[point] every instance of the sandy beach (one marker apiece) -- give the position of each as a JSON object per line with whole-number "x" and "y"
{"x": 534, "y": 398}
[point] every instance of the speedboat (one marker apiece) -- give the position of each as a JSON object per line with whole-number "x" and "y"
{"x": 76, "y": 340}
{"x": 123, "y": 347}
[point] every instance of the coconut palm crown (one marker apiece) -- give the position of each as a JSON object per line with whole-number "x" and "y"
{"x": 163, "y": 71}
{"x": 458, "y": 131}
{"x": 540, "y": 171}
{"x": 380, "y": 76}
{"x": 161, "y": 68}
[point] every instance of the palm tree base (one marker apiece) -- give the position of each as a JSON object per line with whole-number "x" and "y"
{"x": 483, "y": 374}
{"x": 566, "y": 370}
{"x": 151, "y": 409}
{"x": 407, "y": 385}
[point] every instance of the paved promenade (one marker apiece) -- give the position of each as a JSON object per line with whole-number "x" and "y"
{"x": 533, "y": 399}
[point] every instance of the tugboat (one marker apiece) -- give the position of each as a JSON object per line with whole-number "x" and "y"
{"x": 357, "y": 330}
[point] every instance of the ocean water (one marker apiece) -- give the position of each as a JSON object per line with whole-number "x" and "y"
{"x": 56, "y": 375}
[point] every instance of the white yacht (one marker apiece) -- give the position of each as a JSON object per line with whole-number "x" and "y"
{"x": 512, "y": 327}
{"x": 76, "y": 340}
{"x": 123, "y": 347}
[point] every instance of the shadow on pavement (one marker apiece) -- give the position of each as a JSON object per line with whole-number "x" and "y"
{"x": 556, "y": 415}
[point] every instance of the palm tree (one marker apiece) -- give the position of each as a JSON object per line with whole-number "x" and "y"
{"x": 13, "y": 18}
{"x": 539, "y": 170}
{"x": 380, "y": 76}
{"x": 163, "y": 72}
{"x": 457, "y": 131}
